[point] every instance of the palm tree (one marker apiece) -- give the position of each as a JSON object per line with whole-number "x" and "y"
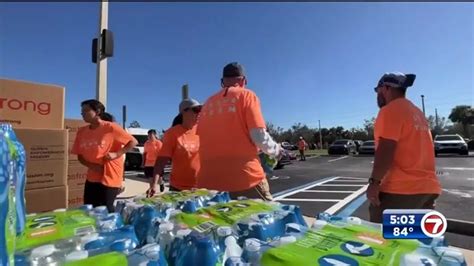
{"x": 463, "y": 114}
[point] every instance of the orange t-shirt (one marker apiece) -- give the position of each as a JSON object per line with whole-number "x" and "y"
{"x": 182, "y": 146}
{"x": 94, "y": 144}
{"x": 229, "y": 158}
{"x": 151, "y": 150}
{"x": 413, "y": 169}
{"x": 302, "y": 144}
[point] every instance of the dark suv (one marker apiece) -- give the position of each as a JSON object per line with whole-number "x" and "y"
{"x": 342, "y": 146}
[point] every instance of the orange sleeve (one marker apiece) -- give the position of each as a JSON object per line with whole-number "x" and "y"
{"x": 252, "y": 111}
{"x": 389, "y": 124}
{"x": 77, "y": 141}
{"x": 169, "y": 144}
{"x": 120, "y": 135}
{"x": 159, "y": 144}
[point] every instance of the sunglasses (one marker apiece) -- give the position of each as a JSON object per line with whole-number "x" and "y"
{"x": 195, "y": 110}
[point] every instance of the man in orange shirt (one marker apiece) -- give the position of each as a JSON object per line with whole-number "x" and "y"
{"x": 151, "y": 148}
{"x": 302, "y": 147}
{"x": 403, "y": 175}
{"x": 100, "y": 147}
{"x": 232, "y": 130}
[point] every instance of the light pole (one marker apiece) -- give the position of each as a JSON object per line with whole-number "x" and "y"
{"x": 423, "y": 104}
{"x": 320, "y": 135}
{"x": 101, "y": 78}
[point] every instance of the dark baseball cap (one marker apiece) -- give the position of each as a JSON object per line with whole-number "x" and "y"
{"x": 233, "y": 70}
{"x": 396, "y": 80}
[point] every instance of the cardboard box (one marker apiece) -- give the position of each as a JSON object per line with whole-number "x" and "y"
{"x": 76, "y": 176}
{"x": 75, "y": 197}
{"x": 46, "y": 199}
{"x": 46, "y": 157}
{"x": 73, "y": 125}
{"x": 31, "y": 105}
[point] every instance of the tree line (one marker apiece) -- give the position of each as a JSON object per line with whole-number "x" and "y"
{"x": 460, "y": 121}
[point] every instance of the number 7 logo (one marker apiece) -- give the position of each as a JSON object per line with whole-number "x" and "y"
{"x": 434, "y": 224}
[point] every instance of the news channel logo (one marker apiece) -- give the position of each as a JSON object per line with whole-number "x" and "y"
{"x": 413, "y": 224}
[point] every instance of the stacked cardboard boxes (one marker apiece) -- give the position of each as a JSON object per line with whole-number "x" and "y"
{"x": 77, "y": 173}
{"x": 36, "y": 112}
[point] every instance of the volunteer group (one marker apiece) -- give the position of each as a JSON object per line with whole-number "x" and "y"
{"x": 216, "y": 146}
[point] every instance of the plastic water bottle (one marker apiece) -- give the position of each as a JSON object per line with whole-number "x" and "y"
{"x": 7, "y": 198}
{"x": 294, "y": 214}
{"x": 189, "y": 206}
{"x": 121, "y": 240}
{"x": 296, "y": 230}
{"x": 166, "y": 236}
{"x": 449, "y": 256}
{"x": 111, "y": 222}
{"x": 199, "y": 249}
{"x": 149, "y": 255}
{"x": 99, "y": 212}
{"x": 252, "y": 252}
{"x": 222, "y": 233}
{"x": 144, "y": 221}
{"x": 176, "y": 246}
{"x": 233, "y": 253}
{"x": 19, "y": 179}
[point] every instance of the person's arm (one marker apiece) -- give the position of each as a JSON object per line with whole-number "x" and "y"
{"x": 144, "y": 158}
{"x": 256, "y": 125}
{"x": 122, "y": 137}
{"x": 388, "y": 126}
{"x": 93, "y": 166}
{"x": 128, "y": 147}
{"x": 383, "y": 160}
{"x": 158, "y": 172}
{"x": 265, "y": 142}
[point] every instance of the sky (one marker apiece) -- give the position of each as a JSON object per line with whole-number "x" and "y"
{"x": 306, "y": 61}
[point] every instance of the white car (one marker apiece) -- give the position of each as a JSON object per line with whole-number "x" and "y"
{"x": 134, "y": 157}
{"x": 450, "y": 144}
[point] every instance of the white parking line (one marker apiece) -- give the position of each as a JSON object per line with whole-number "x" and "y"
{"x": 458, "y": 168}
{"x": 333, "y": 160}
{"x": 303, "y": 188}
{"x": 351, "y": 178}
{"x": 328, "y": 191}
{"x": 355, "y": 180}
{"x": 339, "y": 185}
{"x": 313, "y": 200}
{"x": 333, "y": 209}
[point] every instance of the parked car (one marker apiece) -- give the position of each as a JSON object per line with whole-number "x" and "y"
{"x": 358, "y": 143}
{"x": 368, "y": 147}
{"x": 342, "y": 146}
{"x": 450, "y": 144}
{"x": 133, "y": 158}
{"x": 284, "y": 160}
{"x": 288, "y": 146}
{"x": 470, "y": 145}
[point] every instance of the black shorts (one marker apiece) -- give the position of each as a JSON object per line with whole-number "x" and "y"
{"x": 98, "y": 194}
{"x": 148, "y": 171}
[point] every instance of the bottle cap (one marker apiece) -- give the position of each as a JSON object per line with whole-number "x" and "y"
{"x": 224, "y": 231}
{"x": 43, "y": 251}
{"x": 252, "y": 244}
{"x": 77, "y": 255}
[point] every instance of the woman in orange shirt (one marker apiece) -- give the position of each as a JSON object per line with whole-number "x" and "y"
{"x": 181, "y": 146}
{"x": 100, "y": 147}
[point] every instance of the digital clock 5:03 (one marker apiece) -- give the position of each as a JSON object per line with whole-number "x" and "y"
{"x": 413, "y": 224}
